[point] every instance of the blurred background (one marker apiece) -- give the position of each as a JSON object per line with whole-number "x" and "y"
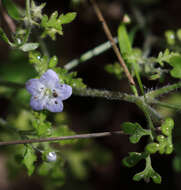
{"x": 94, "y": 164}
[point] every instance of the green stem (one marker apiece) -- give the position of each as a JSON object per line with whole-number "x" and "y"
{"x": 164, "y": 104}
{"x": 138, "y": 78}
{"x": 148, "y": 162}
{"x": 143, "y": 106}
{"x": 28, "y": 13}
{"x": 89, "y": 54}
{"x": 164, "y": 90}
{"x": 44, "y": 47}
{"x": 111, "y": 95}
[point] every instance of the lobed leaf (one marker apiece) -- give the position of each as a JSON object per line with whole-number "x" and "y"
{"x": 135, "y": 130}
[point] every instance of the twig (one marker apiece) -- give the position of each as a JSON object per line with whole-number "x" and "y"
{"x": 51, "y": 139}
{"x": 8, "y": 20}
{"x": 110, "y": 37}
{"x": 89, "y": 54}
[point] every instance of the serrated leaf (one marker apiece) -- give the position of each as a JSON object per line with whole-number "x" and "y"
{"x": 67, "y": 18}
{"x": 135, "y": 130}
{"x": 29, "y": 159}
{"x": 124, "y": 41}
{"x": 12, "y": 9}
{"x": 53, "y": 25}
{"x": 29, "y": 47}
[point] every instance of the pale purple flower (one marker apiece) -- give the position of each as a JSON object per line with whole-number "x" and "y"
{"x": 47, "y": 92}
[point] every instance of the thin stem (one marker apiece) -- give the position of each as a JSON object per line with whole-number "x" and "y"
{"x": 111, "y": 95}
{"x": 44, "y": 47}
{"x": 52, "y": 139}
{"x": 164, "y": 90}
{"x": 110, "y": 37}
{"x": 28, "y": 13}
{"x": 89, "y": 54}
{"x": 164, "y": 104}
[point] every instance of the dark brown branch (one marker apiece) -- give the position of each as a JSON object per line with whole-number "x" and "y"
{"x": 52, "y": 139}
{"x": 110, "y": 37}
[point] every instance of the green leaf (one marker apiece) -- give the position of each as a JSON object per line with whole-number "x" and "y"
{"x": 29, "y": 159}
{"x": 53, "y": 25}
{"x": 40, "y": 62}
{"x": 148, "y": 173}
{"x": 115, "y": 69}
{"x": 12, "y": 9}
{"x": 175, "y": 62}
{"x": 135, "y": 130}
{"x": 37, "y": 10}
{"x": 67, "y": 18}
{"x": 133, "y": 159}
{"x": 42, "y": 127}
{"x": 29, "y": 47}
{"x": 165, "y": 57}
{"x": 63, "y": 130}
{"x": 124, "y": 41}
{"x": 69, "y": 78}
{"x": 167, "y": 126}
{"x": 53, "y": 62}
{"x": 152, "y": 148}
{"x": 4, "y": 37}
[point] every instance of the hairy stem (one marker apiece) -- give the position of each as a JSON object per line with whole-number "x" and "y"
{"x": 164, "y": 90}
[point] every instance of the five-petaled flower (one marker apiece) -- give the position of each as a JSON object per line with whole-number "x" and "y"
{"x": 47, "y": 92}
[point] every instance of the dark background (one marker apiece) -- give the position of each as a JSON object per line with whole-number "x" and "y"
{"x": 96, "y": 115}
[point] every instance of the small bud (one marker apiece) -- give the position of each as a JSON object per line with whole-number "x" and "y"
{"x": 126, "y": 19}
{"x": 51, "y": 157}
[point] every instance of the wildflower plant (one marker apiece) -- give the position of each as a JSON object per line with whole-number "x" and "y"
{"x": 50, "y": 84}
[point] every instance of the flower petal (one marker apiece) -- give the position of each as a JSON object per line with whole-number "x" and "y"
{"x": 49, "y": 78}
{"x": 54, "y": 105}
{"x": 64, "y": 91}
{"x": 36, "y": 103}
{"x": 34, "y": 86}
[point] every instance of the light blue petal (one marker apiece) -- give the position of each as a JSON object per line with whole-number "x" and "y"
{"x": 49, "y": 78}
{"x": 37, "y": 104}
{"x": 54, "y": 105}
{"x": 64, "y": 91}
{"x": 34, "y": 86}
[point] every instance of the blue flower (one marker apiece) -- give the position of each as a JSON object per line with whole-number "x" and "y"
{"x": 47, "y": 92}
